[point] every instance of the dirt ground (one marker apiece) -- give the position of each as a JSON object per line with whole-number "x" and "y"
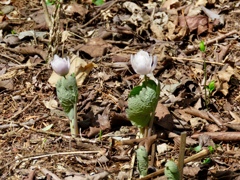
{"x": 197, "y": 118}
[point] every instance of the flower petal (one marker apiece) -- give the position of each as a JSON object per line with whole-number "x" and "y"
{"x": 60, "y": 65}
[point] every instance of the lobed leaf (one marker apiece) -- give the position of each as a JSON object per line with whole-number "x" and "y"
{"x": 142, "y": 103}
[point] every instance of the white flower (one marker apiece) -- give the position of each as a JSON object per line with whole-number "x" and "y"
{"x": 61, "y": 66}
{"x": 142, "y": 63}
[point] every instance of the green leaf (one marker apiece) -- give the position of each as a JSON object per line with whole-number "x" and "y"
{"x": 13, "y": 32}
{"x": 142, "y": 103}
{"x": 47, "y": 127}
{"x": 142, "y": 161}
{"x": 202, "y": 46}
{"x": 211, "y": 86}
{"x": 98, "y": 2}
{"x": 197, "y": 148}
{"x": 171, "y": 171}
{"x": 211, "y": 149}
{"x": 207, "y": 161}
{"x": 67, "y": 93}
{"x": 50, "y": 2}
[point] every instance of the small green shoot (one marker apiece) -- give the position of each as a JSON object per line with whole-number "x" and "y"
{"x": 197, "y": 148}
{"x": 207, "y": 161}
{"x": 142, "y": 161}
{"x": 43, "y": 142}
{"x": 13, "y": 32}
{"x": 50, "y": 2}
{"x": 211, "y": 86}
{"x": 100, "y": 134}
{"x": 171, "y": 170}
{"x": 98, "y": 2}
{"x": 202, "y": 46}
{"x": 211, "y": 149}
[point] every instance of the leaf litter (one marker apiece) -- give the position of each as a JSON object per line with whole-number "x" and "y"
{"x": 99, "y": 39}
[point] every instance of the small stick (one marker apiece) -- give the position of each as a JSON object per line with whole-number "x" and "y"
{"x": 218, "y": 38}
{"x": 15, "y": 115}
{"x": 197, "y": 60}
{"x": 182, "y": 154}
{"x": 133, "y": 159}
{"x": 46, "y": 14}
{"x": 76, "y": 133}
{"x": 216, "y": 120}
{"x": 201, "y": 154}
{"x": 153, "y": 150}
{"x": 32, "y": 157}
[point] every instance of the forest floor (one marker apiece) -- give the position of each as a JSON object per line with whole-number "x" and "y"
{"x": 199, "y": 94}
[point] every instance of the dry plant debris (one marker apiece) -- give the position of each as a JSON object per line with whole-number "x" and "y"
{"x": 35, "y": 136}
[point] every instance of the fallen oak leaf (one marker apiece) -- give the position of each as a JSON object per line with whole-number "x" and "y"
{"x": 195, "y": 112}
{"x": 29, "y": 50}
{"x": 198, "y": 22}
{"x": 103, "y": 121}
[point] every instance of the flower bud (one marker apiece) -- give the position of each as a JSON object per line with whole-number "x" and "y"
{"x": 142, "y": 63}
{"x": 61, "y": 66}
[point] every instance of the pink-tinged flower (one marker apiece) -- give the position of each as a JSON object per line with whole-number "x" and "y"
{"x": 61, "y": 66}
{"x": 143, "y": 63}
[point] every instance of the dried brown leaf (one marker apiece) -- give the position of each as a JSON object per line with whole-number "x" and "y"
{"x": 198, "y": 113}
{"x": 30, "y": 50}
{"x": 95, "y": 47}
{"x": 164, "y": 117}
{"x": 170, "y": 4}
{"x": 212, "y": 128}
{"x": 189, "y": 142}
{"x": 78, "y": 66}
{"x": 11, "y": 40}
{"x": 205, "y": 141}
{"x": 7, "y": 84}
{"x": 103, "y": 119}
{"x": 93, "y": 131}
{"x": 74, "y": 7}
{"x": 191, "y": 171}
{"x": 198, "y": 22}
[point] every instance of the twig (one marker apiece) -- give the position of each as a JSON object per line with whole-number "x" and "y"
{"x": 54, "y": 32}
{"x": 218, "y": 38}
{"x": 181, "y": 154}
{"x": 57, "y": 154}
{"x": 46, "y": 14}
{"x": 216, "y": 120}
{"x": 7, "y": 57}
{"x": 153, "y": 150}
{"x": 133, "y": 158}
{"x": 132, "y": 165}
{"x": 75, "y": 120}
{"x": 196, "y": 60}
{"x": 24, "y": 109}
{"x": 220, "y": 136}
{"x": 31, "y": 157}
{"x": 11, "y": 125}
{"x": 194, "y": 157}
{"x": 46, "y": 172}
{"x": 95, "y": 17}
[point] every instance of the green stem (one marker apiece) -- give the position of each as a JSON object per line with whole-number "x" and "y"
{"x": 205, "y": 82}
{"x": 150, "y": 126}
{"x": 142, "y": 132}
{"x": 73, "y": 122}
